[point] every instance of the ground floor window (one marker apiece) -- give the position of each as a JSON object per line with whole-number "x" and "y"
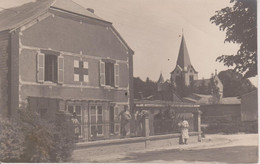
{"x": 76, "y": 109}
{"x": 114, "y": 120}
{"x": 96, "y": 120}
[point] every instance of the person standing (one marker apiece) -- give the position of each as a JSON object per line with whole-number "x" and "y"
{"x": 125, "y": 117}
{"x": 76, "y": 125}
{"x": 184, "y": 131}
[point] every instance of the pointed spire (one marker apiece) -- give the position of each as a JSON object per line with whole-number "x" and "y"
{"x": 161, "y": 80}
{"x": 183, "y": 57}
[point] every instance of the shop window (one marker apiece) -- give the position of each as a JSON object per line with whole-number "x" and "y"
{"x": 76, "y": 109}
{"x": 114, "y": 120}
{"x": 96, "y": 116}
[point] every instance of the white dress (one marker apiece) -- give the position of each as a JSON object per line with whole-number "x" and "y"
{"x": 185, "y": 129}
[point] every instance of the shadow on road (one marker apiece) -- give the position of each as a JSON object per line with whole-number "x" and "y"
{"x": 235, "y": 154}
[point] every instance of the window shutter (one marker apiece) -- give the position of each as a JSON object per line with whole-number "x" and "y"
{"x": 116, "y": 75}
{"x": 116, "y": 113}
{"x": 102, "y": 74}
{"x": 60, "y": 69}
{"x": 40, "y": 67}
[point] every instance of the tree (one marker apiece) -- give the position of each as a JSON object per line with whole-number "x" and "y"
{"x": 214, "y": 90}
{"x": 240, "y": 24}
{"x": 234, "y": 84}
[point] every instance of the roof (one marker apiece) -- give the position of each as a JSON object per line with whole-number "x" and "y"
{"x": 14, "y": 17}
{"x": 207, "y": 100}
{"x": 230, "y": 100}
{"x": 198, "y": 83}
{"x": 183, "y": 57}
{"x": 161, "y": 103}
{"x": 161, "y": 80}
{"x": 252, "y": 92}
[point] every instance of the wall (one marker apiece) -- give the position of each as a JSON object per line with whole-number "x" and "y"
{"x": 125, "y": 145}
{"x": 221, "y": 113}
{"x": 4, "y": 81}
{"x": 249, "y": 107}
{"x": 75, "y": 38}
{"x": 83, "y": 40}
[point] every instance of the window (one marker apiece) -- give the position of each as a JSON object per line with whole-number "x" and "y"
{"x": 77, "y": 109}
{"x": 114, "y": 120}
{"x": 109, "y": 74}
{"x": 50, "y": 67}
{"x": 96, "y": 120}
{"x": 81, "y": 71}
{"x": 43, "y": 113}
{"x": 191, "y": 78}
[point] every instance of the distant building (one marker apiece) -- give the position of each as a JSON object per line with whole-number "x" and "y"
{"x": 55, "y": 55}
{"x": 197, "y": 84}
{"x": 183, "y": 72}
{"x": 249, "y": 106}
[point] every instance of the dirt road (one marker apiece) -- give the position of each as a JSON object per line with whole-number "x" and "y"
{"x": 238, "y": 148}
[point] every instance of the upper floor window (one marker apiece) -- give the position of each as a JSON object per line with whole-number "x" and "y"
{"x": 50, "y": 67}
{"x": 109, "y": 73}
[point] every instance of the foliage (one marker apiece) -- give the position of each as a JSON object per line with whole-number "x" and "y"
{"x": 63, "y": 139}
{"x": 38, "y": 136}
{"x": 28, "y": 138}
{"x": 240, "y": 24}
{"x": 146, "y": 88}
{"x": 234, "y": 84}
{"x": 11, "y": 139}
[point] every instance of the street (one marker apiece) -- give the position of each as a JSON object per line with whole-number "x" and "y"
{"x": 238, "y": 148}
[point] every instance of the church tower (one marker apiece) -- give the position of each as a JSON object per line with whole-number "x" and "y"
{"x": 184, "y": 72}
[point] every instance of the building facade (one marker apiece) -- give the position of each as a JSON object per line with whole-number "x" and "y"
{"x": 59, "y": 56}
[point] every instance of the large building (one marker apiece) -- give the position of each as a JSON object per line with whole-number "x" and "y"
{"x": 184, "y": 72}
{"x": 55, "y": 55}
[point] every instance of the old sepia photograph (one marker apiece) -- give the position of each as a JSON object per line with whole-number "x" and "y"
{"x": 128, "y": 81}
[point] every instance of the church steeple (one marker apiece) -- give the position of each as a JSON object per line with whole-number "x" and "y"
{"x": 183, "y": 56}
{"x": 184, "y": 72}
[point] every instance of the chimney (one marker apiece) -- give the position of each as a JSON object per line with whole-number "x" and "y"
{"x": 91, "y": 10}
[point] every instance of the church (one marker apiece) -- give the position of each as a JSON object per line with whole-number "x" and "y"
{"x": 185, "y": 74}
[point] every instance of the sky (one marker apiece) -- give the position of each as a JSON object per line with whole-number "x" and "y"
{"x": 152, "y": 28}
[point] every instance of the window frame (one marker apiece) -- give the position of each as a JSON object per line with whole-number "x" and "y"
{"x": 81, "y": 116}
{"x": 96, "y": 123}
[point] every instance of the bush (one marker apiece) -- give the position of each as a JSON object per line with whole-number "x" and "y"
{"x": 32, "y": 139}
{"x": 63, "y": 139}
{"x": 11, "y": 139}
{"x": 38, "y": 136}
